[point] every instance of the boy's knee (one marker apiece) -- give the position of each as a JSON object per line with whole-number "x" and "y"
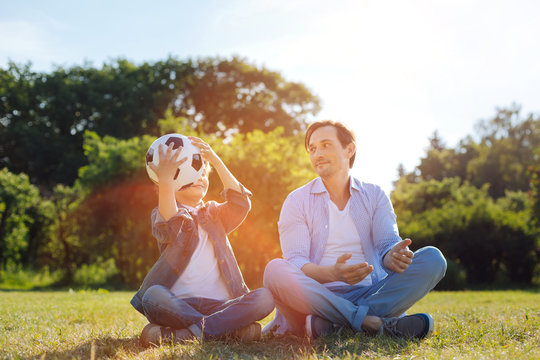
{"x": 153, "y": 295}
{"x": 265, "y": 300}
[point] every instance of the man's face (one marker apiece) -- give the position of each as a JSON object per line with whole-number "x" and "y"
{"x": 327, "y": 155}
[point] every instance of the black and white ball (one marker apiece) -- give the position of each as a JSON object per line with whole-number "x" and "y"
{"x": 189, "y": 171}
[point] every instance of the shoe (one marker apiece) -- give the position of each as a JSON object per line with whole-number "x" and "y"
{"x": 154, "y": 335}
{"x": 251, "y": 332}
{"x": 317, "y": 326}
{"x": 150, "y": 336}
{"x": 411, "y": 326}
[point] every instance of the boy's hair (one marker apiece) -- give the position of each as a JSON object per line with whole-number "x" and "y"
{"x": 344, "y": 134}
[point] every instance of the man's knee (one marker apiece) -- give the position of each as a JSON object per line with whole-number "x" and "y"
{"x": 434, "y": 261}
{"x": 276, "y": 273}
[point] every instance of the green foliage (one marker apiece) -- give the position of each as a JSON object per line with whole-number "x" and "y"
{"x": 112, "y": 219}
{"x": 28, "y": 279}
{"x": 99, "y": 273}
{"x": 23, "y": 216}
{"x": 112, "y": 160}
{"x": 534, "y": 171}
{"x": 270, "y": 165}
{"x": 107, "y": 213}
{"x": 43, "y": 116}
{"x": 228, "y": 96}
{"x": 484, "y": 236}
{"x": 474, "y": 201}
{"x": 501, "y": 157}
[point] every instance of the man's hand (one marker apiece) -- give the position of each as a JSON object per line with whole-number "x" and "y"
{"x": 399, "y": 257}
{"x": 351, "y": 274}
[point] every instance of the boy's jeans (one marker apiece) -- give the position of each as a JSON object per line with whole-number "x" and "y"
{"x": 203, "y": 316}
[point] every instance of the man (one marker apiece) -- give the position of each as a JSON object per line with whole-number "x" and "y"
{"x": 344, "y": 264}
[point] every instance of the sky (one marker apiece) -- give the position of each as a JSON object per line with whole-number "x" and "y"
{"x": 394, "y": 71}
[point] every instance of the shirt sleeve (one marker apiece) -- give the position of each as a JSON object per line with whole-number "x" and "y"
{"x": 294, "y": 234}
{"x": 385, "y": 229}
{"x": 167, "y": 231}
{"x": 234, "y": 210}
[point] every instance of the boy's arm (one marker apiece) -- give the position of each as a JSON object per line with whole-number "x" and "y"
{"x": 227, "y": 178}
{"x": 237, "y": 205}
{"x": 165, "y": 171}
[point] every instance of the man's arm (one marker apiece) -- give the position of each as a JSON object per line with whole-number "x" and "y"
{"x": 295, "y": 238}
{"x": 394, "y": 252}
{"x": 351, "y": 274}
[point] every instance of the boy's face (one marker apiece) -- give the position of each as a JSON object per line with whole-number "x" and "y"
{"x": 194, "y": 194}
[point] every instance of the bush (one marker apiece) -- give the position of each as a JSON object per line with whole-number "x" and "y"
{"x": 455, "y": 278}
{"x": 24, "y": 217}
{"x": 484, "y": 236}
{"x": 96, "y": 274}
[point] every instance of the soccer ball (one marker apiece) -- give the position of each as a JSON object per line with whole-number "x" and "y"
{"x": 189, "y": 171}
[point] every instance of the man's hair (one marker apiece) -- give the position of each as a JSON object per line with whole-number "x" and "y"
{"x": 344, "y": 134}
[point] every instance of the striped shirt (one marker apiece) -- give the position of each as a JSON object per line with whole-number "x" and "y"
{"x": 304, "y": 221}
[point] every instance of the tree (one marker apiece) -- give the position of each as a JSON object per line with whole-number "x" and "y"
{"x": 228, "y": 96}
{"x": 486, "y": 237}
{"x": 500, "y": 157}
{"x": 22, "y": 216}
{"x": 534, "y": 171}
{"x": 43, "y": 116}
{"x": 112, "y": 219}
{"x": 270, "y": 165}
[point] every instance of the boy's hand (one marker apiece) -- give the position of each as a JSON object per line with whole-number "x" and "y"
{"x": 168, "y": 163}
{"x": 206, "y": 150}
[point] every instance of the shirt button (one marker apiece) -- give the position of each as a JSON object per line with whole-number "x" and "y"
{"x": 326, "y": 226}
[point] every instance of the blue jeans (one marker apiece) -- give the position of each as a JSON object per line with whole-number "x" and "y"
{"x": 297, "y": 295}
{"x": 205, "y": 317}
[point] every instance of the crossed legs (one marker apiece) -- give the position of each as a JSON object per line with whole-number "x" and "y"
{"x": 296, "y": 295}
{"x": 203, "y": 316}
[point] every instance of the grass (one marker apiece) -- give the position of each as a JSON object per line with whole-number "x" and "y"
{"x": 100, "y": 324}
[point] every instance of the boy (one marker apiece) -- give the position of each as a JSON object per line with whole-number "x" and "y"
{"x": 195, "y": 289}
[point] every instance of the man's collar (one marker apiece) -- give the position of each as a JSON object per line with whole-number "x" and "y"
{"x": 355, "y": 184}
{"x": 318, "y": 186}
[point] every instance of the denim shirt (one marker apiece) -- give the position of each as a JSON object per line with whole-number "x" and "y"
{"x": 178, "y": 238}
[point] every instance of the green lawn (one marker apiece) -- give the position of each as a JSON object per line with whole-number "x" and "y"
{"x": 86, "y": 324}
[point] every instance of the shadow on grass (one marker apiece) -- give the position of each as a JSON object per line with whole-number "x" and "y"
{"x": 288, "y": 347}
{"x": 279, "y": 347}
{"x": 98, "y": 348}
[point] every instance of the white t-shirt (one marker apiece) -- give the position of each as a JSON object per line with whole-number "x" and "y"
{"x": 343, "y": 238}
{"x": 202, "y": 277}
